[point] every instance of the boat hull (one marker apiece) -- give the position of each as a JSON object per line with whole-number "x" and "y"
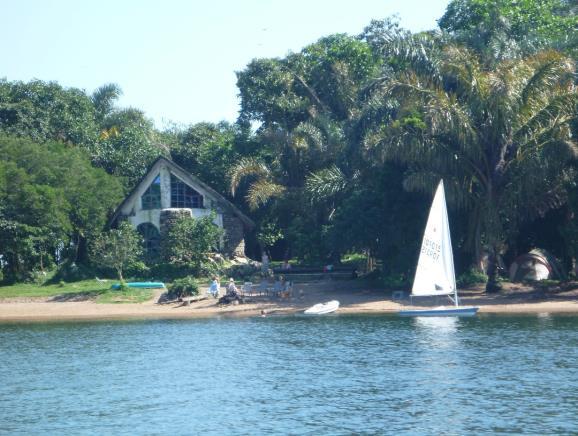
{"x": 144, "y": 285}
{"x": 442, "y": 311}
{"x": 323, "y": 308}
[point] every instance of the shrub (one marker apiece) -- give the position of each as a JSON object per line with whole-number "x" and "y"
{"x": 395, "y": 282}
{"x": 189, "y": 241}
{"x": 184, "y": 287}
{"x": 71, "y": 272}
{"x": 471, "y": 277}
{"x": 240, "y": 271}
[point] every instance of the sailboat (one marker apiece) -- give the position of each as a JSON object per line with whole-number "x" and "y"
{"x": 435, "y": 273}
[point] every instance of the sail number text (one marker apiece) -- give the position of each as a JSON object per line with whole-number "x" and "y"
{"x": 431, "y": 249}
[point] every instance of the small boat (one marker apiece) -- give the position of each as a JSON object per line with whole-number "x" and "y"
{"x": 323, "y": 308}
{"x": 441, "y": 311}
{"x": 143, "y": 285}
{"x": 435, "y": 273}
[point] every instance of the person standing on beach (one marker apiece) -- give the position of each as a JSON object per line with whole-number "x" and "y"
{"x": 264, "y": 263}
{"x": 215, "y": 287}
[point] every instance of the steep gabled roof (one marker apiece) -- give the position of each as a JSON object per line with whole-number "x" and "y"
{"x": 191, "y": 180}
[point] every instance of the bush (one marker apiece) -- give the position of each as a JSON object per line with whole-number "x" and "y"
{"x": 72, "y": 272}
{"x": 471, "y": 277}
{"x": 184, "y": 287}
{"x": 240, "y": 271}
{"x": 395, "y": 282}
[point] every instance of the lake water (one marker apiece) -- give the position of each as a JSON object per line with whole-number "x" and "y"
{"x": 292, "y": 375}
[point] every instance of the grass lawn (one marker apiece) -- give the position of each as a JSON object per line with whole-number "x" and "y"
{"x": 81, "y": 290}
{"x": 131, "y": 295}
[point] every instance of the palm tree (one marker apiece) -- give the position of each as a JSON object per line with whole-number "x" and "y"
{"x": 499, "y": 138}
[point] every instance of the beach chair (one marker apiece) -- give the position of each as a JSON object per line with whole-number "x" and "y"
{"x": 277, "y": 289}
{"x": 262, "y": 288}
{"x": 247, "y": 289}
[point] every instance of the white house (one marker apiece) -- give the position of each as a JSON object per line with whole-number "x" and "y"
{"x": 168, "y": 191}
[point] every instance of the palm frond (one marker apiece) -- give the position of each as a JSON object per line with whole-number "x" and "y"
{"x": 247, "y": 167}
{"x": 325, "y": 184}
{"x": 550, "y": 68}
{"x": 262, "y": 191}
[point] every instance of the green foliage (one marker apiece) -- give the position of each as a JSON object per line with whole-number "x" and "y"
{"x": 69, "y": 271}
{"x": 208, "y": 151}
{"x": 51, "y": 202}
{"x": 184, "y": 287}
{"x": 189, "y": 242}
{"x": 123, "y": 296}
{"x": 44, "y": 111}
{"x": 268, "y": 234}
{"x": 83, "y": 290}
{"x": 395, "y": 282}
{"x": 511, "y": 28}
{"x": 500, "y": 138}
{"x": 127, "y": 145}
{"x": 471, "y": 277}
{"x": 118, "y": 249}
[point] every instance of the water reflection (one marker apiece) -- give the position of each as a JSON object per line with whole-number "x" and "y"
{"x": 442, "y": 324}
{"x": 437, "y": 332}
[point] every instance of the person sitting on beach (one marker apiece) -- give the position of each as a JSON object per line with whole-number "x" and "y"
{"x": 215, "y": 287}
{"x": 232, "y": 288}
{"x": 232, "y": 293}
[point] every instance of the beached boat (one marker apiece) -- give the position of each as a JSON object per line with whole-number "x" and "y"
{"x": 323, "y": 308}
{"x": 144, "y": 285}
{"x": 435, "y": 273}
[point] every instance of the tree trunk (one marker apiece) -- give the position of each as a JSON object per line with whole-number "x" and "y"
{"x": 492, "y": 286}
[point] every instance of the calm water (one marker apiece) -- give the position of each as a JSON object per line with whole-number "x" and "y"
{"x": 293, "y": 375}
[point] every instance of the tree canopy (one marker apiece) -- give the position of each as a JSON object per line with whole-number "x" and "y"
{"x": 337, "y": 147}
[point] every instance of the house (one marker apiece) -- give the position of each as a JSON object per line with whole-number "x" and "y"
{"x": 168, "y": 192}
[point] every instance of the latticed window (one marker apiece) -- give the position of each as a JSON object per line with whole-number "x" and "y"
{"x": 151, "y": 240}
{"x": 151, "y": 199}
{"x": 183, "y": 196}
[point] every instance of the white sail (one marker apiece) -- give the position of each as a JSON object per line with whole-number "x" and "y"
{"x": 435, "y": 267}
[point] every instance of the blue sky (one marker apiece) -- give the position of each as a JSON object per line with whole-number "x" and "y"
{"x": 176, "y": 59}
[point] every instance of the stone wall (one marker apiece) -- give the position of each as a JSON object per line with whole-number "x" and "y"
{"x": 234, "y": 243}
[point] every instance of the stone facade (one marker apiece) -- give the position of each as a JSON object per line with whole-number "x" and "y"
{"x": 234, "y": 242}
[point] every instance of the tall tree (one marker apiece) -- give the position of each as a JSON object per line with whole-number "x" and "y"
{"x": 500, "y": 138}
{"x": 51, "y": 200}
{"x": 503, "y": 29}
{"x": 46, "y": 111}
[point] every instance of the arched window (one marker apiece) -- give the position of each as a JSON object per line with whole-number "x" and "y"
{"x": 151, "y": 199}
{"x": 183, "y": 196}
{"x": 152, "y": 240}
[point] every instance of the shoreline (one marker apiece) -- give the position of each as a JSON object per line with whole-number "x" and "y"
{"x": 355, "y": 298}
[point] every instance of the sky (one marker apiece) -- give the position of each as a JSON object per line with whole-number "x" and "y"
{"x": 176, "y": 59}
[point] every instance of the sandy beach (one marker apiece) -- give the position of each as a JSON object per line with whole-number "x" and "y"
{"x": 355, "y": 298}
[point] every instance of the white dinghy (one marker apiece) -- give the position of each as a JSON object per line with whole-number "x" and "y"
{"x": 435, "y": 273}
{"x": 323, "y": 308}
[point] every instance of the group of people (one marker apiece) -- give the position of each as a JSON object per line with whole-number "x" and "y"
{"x": 231, "y": 291}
